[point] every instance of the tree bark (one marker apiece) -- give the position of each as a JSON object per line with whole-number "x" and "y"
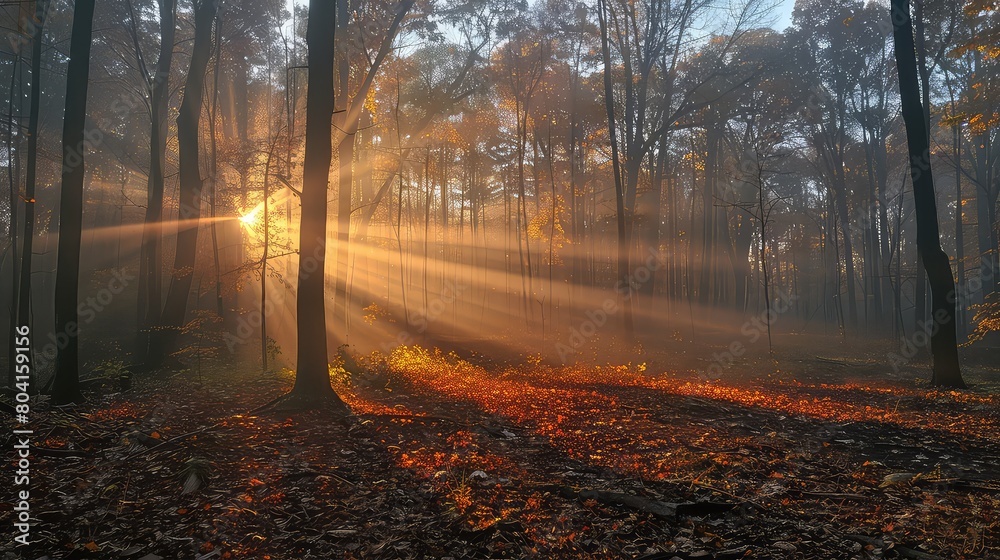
{"x": 150, "y": 266}
{"x": 312, "y": 378}
{"x": 13, "y": 176}
{"x": 708, "y": 251}
{"x": 622, "y": 286}
{"x": 345, "y": 162}
{"x": 944, "y": 347}
{"x": 66, "y": 386}
{"x": 24, "y": 285}
{"x": 189, "y": 212}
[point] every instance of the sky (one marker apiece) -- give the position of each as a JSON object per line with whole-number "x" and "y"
{"x": 784, "y": 12}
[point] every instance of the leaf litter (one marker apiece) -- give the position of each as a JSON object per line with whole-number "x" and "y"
{"x": 449, "y": 459}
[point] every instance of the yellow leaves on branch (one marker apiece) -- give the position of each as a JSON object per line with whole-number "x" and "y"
{"x": 955, "y": 120}
{"x": 370, "y": 105}
{"x": 986, "y": 319}
{"x": 978, "y": 122}
{"x": 541, "y": 227}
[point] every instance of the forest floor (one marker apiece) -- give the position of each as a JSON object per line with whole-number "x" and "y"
{"x": 446, "y": 457}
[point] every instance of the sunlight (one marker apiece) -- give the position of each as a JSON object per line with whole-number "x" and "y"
{"x": 664, "y": 281}
{"x": 250, "y": 219}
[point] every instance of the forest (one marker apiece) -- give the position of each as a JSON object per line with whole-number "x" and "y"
{"x": 648, "y": 279}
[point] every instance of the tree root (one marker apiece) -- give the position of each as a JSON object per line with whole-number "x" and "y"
{"x": 292, "y": 402}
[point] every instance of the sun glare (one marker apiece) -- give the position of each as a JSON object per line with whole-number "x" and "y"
{"x": 250, "y": 218}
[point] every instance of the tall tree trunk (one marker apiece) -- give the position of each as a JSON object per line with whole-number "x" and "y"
{"x": 24, "y": 285}
{"x": 352, "y": 111}
{"x": 263, "y": 259}
{"x": 956, "y": 135}
{"x": 920, "y": 47}
{"x": 843, "y": 215}
{"x": 150, "y": 266}
{"x": 14, "y": 177}
{"x": 241, "y": 90}
{"x": 986, "y": 199}
{"x": 189, "y": 212}
{"x": 708, "y": 257}
{"x": 944, "y": 347}
{"x": 651, "y": 217}
{"x": 622, "y": 286}
{"x": 345, "y": 167}
{"x": 66, "y": 386}
{"x": 522, "y": 217}
{"x": 312, "y": 377}
{"x": 214, "y": 173}
{"x": 345, "y": 176}
{"x": 873, "y": 267}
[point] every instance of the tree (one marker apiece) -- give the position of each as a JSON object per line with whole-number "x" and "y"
{"x": 829, "y": 35}
{"x": 983, "y": 122}
{"x": 66, "y": 385}
{"x": 349, "y": 127}
{"x": 944, "y": 347}
{"x": 312, "y": 376}
{"x": 24, "y": 285}
{"x": 873, "y": 107}
{"x": 623, "y": 228}
{"x": 189, "y": 213}
{"x": 522, "y": 62}
{"x": 158, "y": 86}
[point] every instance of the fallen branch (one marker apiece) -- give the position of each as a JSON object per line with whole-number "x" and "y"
{"x": 830, "y": 361}
{"x": 56, "y": 452}
{"x": 833, "y": 495}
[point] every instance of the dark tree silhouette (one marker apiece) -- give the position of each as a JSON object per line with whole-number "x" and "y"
{"x": 189, "y": 214}
{"x": 66, "y": 385}
{"x": 944, "y": 347}
{"x": 623, "y": 286}
{"x": 24, "y": 285}
{"x": 312, "y": 378}
{"x": 150, "y": 274}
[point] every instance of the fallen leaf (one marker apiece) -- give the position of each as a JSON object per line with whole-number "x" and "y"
{"x": 896, "y": 479}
